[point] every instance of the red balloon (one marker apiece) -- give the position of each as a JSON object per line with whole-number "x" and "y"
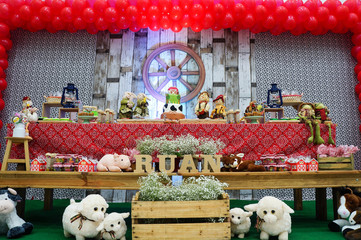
{"x": 25, "y": 12}
{"x": 208, "y": 21}
{"x": 218, "y": 11}
{"x": 239, "y": 11}
{"x": 66, "y": 14}
{"x": 269, "y": 23}
{"x": 17, "y": 21}
{"x": 290, "y": 23}
{"x": 249, "y": 21}
{"x": 228, "y": 5}
{"x": 237, "y": 27}
{"x": 101, "y": 24}
{"x": 58, "y": 24}
{"x": 36, "y": 5}
{"x": 4, "y": 30}
{"x": 352, "y": 20}
{"x": 271, "y": 5}
{"x": 331, "y": 22}
{"x": 228, "y": 21}
{"x": 186, "y": 4}
{"x": 16, "y": 4}
{"x": 311, "y": 24}
{"x": 89, "y": 15}
{"x": 4, "y": 64}
{"x": 249, "y": 4}
{"x": 298, "y": 30}
{"x": 134, "y": 27}
{"x": 359, "y": 97}
{"x": 6, "y": 43}
{"x": 113, "y": 28}
{"x": 165, "y": 6}
{"x": 78, "y": 6}
{"x": 358, "y": 57}
{"x": 277, "y": 30}
{"x": 342, "y": 12}
{"x": 356, "y": 39}
{"x": 2, "y": 73}
{"x": 132, "y": 13}
{"x": 355, "y": 50}
{"x": 121, "y": 5}
{"x": 359, "y": 77}
{"x": 358, "y": 91}
{"x": 57, "y": 5}
{"x": 1, "y": 125}
{"x": 281, "y": 13}
{"x": 154, "y": 26}
{"x": 257, "y": 28}
{"x": 292, "y": 5}
{"x": 45, "y": 14}
{"x": 110, "y": 15}
{"x": 176, "y": 13}
{"x": 2, "y": 52}
{"x": 303, "y": 14}
{"x": 2, "y": 104}
{"x": 217, "y": 26}
{"x": 313, "y": 5}
{"x": 71, "y": 28}
{"x": 4, "y": 11}
{"x": 50, "y": 28}
{"x": 186, "y": 21}
{"x": 91, "y": 28}
{"x": 36, "y": 23}
{"x": 331, "y": 5}
{"x": 123, "y": 22}
{"x": 352, "y": 5}
{"x": 260, "y": 12}
{"x": 142, "y": 21}
{"x": 176, "y": 27}
{"x": 143, "y": 5}
{"x": 79, "y": 23}
{"x": 208, "y": 4}
{"x": 100, "y": 6}
{"x": 197, "y": 27}
{"x": 197, "y": 12}
{"x": 153, "y": 13}
{"x": 165, "y": 22}
{"x": 322, "y": 14}
{"x": 357, "y": 68}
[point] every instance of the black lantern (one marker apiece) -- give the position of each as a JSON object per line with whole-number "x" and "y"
{"x": 69, "y": 96}
{"x": 274, "y": 97}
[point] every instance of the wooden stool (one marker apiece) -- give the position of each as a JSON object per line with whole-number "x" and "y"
{"x": 16, "y": 140}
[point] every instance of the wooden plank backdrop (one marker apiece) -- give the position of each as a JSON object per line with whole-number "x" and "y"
{"x": 228, "y": 58}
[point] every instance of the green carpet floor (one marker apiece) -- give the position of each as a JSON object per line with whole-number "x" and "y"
{"x": 47, "y": 224}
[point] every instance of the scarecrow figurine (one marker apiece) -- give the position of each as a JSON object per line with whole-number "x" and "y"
{"x": 172, "y": 96}
{"x": 202, "y": 107}
{"x": 306, "y": 112}
{"x": 141, "y": 110}
{"x": 126, "y": 105}
{"x": 321, "y": 113}
{"x": 172, "y": 110}
{"x": 220, "y": 110}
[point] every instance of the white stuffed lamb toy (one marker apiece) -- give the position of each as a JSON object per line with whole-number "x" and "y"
{"x": 113, "y": 226}
{"x": 82, "y": 219}
{"x": 240, "y": 222}
{"x": 274, "y": 217}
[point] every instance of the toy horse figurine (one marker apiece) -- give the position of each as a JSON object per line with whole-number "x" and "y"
{"x": 349, "y": 201}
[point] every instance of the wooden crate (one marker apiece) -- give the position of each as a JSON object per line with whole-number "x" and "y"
{"x": 336, "y": 163}
{"x": 174, "y": 215}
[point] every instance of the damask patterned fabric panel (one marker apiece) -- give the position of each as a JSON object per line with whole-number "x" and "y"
{"x": 320, "y": 67}
{"x": 41, "y": 63}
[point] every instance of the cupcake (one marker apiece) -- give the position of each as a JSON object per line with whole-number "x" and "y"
{"x": 58, "y": 166}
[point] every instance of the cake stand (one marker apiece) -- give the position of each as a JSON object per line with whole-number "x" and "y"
{"x": 253, "y": 119}
{"x": 86, "y": 119}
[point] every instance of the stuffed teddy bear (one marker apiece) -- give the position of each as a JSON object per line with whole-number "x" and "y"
{"x": 230, "y": 163}
{"x": 248, "y": 165}
{"x": 82, "y": 219}
{"x": 273, "y": 217}
{"x": 10, "y": 222}
{"x": 114, "y": 163}
{"x": 240, "y": 222}
{"x": 113, "y": 226}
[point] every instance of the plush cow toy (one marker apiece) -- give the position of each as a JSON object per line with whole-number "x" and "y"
{"x": 10, "y": 222}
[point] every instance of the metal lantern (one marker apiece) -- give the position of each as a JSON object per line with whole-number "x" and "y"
{"x": 274, "y": 97}
{"x": 69, "y": 96}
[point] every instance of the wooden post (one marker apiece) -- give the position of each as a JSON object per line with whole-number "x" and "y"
{"x": 336, "y": 201}
{"x": 321, "y": 204}
{"x": 297, "y": 198}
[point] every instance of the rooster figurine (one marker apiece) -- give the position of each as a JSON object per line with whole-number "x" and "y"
{"x": 29, "y": 110}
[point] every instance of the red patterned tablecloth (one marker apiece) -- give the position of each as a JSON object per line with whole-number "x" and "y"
{"x": 98, "y": 139}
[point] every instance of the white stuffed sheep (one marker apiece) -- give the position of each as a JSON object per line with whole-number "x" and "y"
{"x": 240, "y": 222}
{"x": 82, "y": 219}
{"x": 113, "y": 226}
{"x": 10, "y": 223}
{"x": 274, "y": 217}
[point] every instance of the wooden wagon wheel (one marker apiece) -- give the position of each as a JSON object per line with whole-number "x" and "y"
{"x": 173, "y": 71}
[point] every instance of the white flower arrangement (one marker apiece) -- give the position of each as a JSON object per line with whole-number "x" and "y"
{"x": 158, "y": 187}
{"x": 181, "y": 145}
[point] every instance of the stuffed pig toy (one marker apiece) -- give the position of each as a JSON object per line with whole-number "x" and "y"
{"x": 114, "y": 163}
{"x": 113, "y": 226}
{"x": 82, "y": 219}
{"x": 10, "y": 222}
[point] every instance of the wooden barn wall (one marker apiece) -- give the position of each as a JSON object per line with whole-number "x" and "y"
{"x": 226, "y": 55}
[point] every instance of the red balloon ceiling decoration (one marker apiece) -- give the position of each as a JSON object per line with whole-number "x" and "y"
{"x": 275, "y": 16}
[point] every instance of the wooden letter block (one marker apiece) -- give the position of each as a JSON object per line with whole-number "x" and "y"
{"x": 211, "y": 163}
{"x": 162, "y": 163}
{"x": 188, "y": 165}
{"x": 143, "y": 160}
